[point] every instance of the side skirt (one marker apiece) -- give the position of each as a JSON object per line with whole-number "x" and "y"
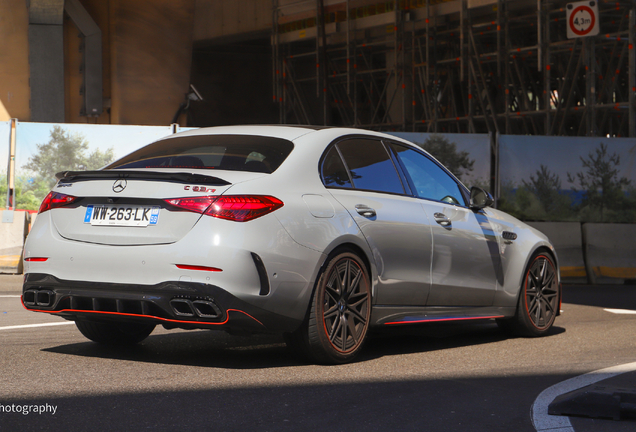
{"x": 396, "y": 315}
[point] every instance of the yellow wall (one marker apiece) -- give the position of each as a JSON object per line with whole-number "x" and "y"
{"x": 14, "y": 60}
{"x": 147, "y": 47}
{"x": 151, "y": 54}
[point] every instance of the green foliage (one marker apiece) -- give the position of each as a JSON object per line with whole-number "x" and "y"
{"x": 605, "y": 199}
{"x": 446, "y": 152}
{"x": 521, "y": 202}
{"x": 545, "y": 187}
{"x": 65, "y": 152}
{"x": 28, "y": 196}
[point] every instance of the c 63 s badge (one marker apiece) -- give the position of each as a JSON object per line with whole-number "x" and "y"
{"x": 199, "y": 189}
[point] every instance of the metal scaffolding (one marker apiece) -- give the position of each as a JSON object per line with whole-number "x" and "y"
{"x": 467, "y": 66}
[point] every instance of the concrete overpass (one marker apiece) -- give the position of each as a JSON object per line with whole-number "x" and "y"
{"x": 425, "y": 65}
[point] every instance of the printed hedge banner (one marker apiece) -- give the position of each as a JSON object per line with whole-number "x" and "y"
{"x": 43, "y": 149}
{"x": 582, "y": 179}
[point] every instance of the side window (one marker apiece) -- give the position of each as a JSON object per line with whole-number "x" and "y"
{"x": 430, "y": 181}
{"x": 334, "y": 172}
{"x": 370, "y": 166}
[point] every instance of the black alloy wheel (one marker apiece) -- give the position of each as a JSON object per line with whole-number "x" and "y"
{"x": 539, "y": 299}
{"x": 338, "y": 321}
{"x": 541, "y": 292}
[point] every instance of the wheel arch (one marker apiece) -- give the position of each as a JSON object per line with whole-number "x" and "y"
{"x": 333, "y": 250}
{"x": 548, "y": 250}
{"x": 358, "y": 250}
{"x": 541, "y": 248}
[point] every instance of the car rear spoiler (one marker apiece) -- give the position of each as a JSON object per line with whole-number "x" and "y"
{"x": 178, "y": 177}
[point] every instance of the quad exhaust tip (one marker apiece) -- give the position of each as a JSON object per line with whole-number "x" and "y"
{"x": 200, "y": 308}
{"x": 35, "y": 297}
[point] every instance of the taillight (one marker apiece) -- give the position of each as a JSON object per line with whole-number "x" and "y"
{"x": 36, "y": 259}
{"x": 55, "y": 200}
{"x": 243, "y": 208}
{"x": 197, "y": 205}
{"x": 239, "y": 208}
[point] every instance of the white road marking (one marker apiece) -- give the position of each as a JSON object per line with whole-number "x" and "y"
{"x": 18, "y": 296}
{"x": 36, "y": 325}
{"x": 542, "y": 421}
{"x": 620, "y": 311}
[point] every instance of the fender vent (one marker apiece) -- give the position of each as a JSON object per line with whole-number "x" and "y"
{"x": 507, "y": 235}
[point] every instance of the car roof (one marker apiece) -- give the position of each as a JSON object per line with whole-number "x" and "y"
{"x": 277, "y": 131}
{"x": 288, "y": 132}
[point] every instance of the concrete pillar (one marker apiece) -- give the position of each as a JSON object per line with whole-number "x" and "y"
{"x": 46, "y": 60}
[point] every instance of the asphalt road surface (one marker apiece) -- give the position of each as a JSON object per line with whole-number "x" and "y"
{"x": 450, "y": 377}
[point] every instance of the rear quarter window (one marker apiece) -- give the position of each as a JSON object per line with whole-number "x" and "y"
{"x": 370, "y": 166}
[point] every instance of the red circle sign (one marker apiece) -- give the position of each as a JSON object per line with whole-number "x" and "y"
{"x": 591, "y": 23}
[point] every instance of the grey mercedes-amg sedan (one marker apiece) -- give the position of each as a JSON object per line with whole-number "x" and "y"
{"x": 316, "y": 233}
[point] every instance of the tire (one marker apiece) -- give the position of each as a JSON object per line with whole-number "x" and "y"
{"x": 115, "y": 333}
{"x": 338, "y": 321}
{"x": 539, "y": 299}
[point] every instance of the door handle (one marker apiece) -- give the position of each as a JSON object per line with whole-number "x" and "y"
{"x": 365, "y": 211}
{"x": 442, "y": 219}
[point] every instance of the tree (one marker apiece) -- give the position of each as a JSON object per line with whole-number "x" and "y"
{"x": 64, "y": 152}
{"x": 546, "y": 186}
{"x": 27, "y": 195}
{"x": 599, "y": 179}
{"x": 457, "y": 162}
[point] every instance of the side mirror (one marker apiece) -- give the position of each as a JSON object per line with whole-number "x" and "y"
{"x": 479, "y": 198}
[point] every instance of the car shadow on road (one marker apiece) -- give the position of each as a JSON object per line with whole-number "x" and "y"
{"x": 438, "y": 336}
{"x": 220, "y": 350}
{"x": 437, "y": 403}
{"x": 605, "y": 296}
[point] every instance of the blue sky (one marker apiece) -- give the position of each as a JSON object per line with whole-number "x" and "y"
{"x": 123, "y": 139}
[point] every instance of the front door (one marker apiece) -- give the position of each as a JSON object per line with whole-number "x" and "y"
{"x": 466, "y": 261}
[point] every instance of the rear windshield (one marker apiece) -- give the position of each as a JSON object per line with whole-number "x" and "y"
{"x": 223, "y": 152}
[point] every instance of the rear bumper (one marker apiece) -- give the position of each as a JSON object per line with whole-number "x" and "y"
{"x": 173, "y": 304}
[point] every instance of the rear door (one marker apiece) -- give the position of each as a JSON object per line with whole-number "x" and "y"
{"x": 361, "y": 175}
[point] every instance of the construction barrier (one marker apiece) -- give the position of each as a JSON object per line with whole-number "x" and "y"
{"x": 567, "y": 239}
{"x": 610, "y": 252}
{"x": 14, "y": 226}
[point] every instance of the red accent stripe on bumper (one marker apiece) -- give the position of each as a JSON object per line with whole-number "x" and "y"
{"x": 144, "y": 316}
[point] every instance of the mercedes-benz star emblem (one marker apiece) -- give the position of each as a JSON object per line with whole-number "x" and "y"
{"x": 119, "y": 185}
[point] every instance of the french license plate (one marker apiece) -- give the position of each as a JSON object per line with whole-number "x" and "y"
{"x": 126, "y": 215}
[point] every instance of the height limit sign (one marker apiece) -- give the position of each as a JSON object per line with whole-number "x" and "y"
{"x": 582, "y": 19}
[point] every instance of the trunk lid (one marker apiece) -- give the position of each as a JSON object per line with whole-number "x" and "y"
{"x": 123, "y": 207}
